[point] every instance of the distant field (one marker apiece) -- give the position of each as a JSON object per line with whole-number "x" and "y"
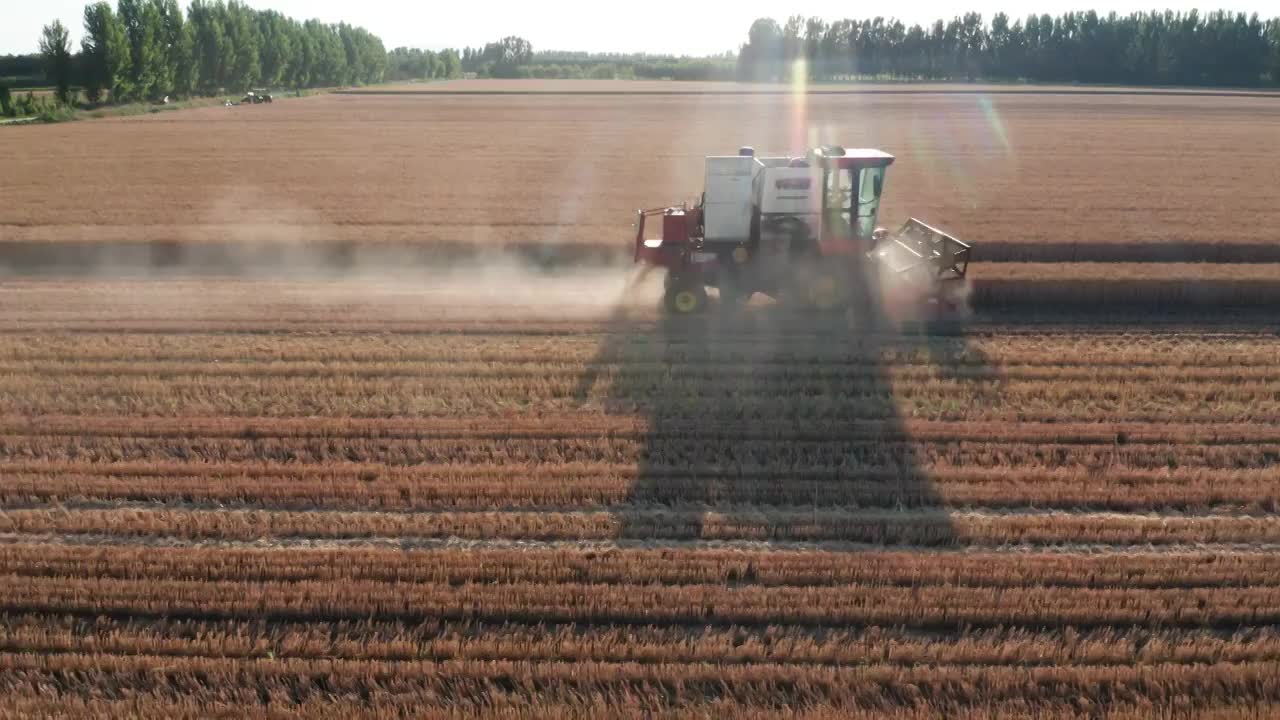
{"x": 1023, "y": 176}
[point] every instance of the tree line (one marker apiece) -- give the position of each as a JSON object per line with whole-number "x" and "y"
{"x": 628, "y": 66}
{"x": 1155, "y": 48}
{"x": 150, "y": 49}
{"x": 514, "y": 57}
{"x": 1145, "y": 48}
{"x": 501, "y": 59}
{"x": 414, "y": 64}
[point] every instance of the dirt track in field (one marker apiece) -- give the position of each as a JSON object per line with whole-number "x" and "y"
{"x": 1028, "y": 177}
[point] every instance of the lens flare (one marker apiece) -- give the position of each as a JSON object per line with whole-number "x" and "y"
{"x": 994, "y": 122}
{"x": 799, "y": 103}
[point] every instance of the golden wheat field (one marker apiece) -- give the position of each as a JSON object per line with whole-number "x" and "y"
{"x": 1027, "y": 176}
{"x": 253, "y": 463}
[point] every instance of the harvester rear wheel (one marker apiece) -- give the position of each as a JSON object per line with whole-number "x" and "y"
{"x": 685, "y": 297}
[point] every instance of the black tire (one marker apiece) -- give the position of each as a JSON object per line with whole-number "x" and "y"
{"x": 684, "y": 297}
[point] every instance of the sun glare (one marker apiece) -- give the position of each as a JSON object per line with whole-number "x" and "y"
{"x": 800, "y": 130}
{"x": 994, "y": 122}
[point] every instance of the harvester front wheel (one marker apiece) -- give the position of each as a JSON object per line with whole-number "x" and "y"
{"x": 685, "y": 298}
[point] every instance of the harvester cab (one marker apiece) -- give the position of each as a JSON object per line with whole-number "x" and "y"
{"x": 799, "y": 229}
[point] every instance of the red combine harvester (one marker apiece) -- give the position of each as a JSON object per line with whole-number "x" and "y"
{"x": 802, "y": 230}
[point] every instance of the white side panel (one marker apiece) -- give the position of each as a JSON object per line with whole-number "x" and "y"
{"x": 789, "y": 191}
{"x": 727, "y": 208}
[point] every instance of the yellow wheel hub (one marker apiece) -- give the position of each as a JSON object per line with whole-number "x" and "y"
{"x": 686, "y": 301}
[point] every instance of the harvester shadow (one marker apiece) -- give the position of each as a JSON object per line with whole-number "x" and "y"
{"x": 769, "y": 424}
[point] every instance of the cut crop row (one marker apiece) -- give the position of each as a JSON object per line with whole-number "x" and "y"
{"x": 490, "y": 487}
{"x": 931, "y": 607}
{"x": 983, "y": 346}
{"x": 443, "y": 640}
{"x": 251, "y": 704}
{"x": 293, "y": 681}
{"x": 591, "y": 425}
{"x": 791, "y": 395}
{"x": 933, "y": 527}
{"x": 712, "y": 455}
{"x": 552, "y": 371}
{"x": 667, "y": 566}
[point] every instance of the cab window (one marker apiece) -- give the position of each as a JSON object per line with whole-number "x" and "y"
{"x": 869, "y": 188}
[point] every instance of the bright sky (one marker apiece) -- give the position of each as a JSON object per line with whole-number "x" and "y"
{"x": 657, "y": 26}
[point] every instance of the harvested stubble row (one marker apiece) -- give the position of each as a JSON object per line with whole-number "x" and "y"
{"x": 640, "y": 686}
{"x": 926, "y": 527}
{"x": 1068, "y": 347}
{"x": 393, "y": 640}
{"x": 630, "y": 705}
{"x": 681, "y": 380}
{"x": 922, "y": 607}
{"x": 592, "y": 486}
{"x": 547, "y": 563}
{"x": 660, "y": 454}
{"x": 619, "y": 518}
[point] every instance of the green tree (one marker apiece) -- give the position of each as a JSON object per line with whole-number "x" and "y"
{"x": 1274, "y": 40}
{"x": 178, "y": 45}
{"x": 373, "y": 56}
{"x": 277, "y": 47}
{"x": 329, "y": 61}
{"x": 505, "y": 57}
{"x": 1219, "y": 48}
{"x": 353, "y": 72}
{"x": 210, "y": 47}
{"x": 6, "y": 101}
{"x": 149, "y": 70}
{"x": 761, "y": 58}
{"x": 104, "y": 53}
{"x": 302, "y": 66}
{"x": 55, "y": 47}
{"x": 451, "y": 63}
{"x": 242, "y": 35}
{"x": 186, "y": 70}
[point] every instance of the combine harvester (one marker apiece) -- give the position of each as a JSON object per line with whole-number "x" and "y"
{"x": 801, "y": 230}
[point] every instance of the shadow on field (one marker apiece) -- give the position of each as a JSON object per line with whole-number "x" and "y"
{"x": 772, "y": 424}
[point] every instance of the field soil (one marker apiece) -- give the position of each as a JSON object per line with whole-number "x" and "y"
{"x": 348, "y": 407}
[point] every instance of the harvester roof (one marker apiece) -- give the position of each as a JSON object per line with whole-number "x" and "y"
{"x": 846, "y": 157}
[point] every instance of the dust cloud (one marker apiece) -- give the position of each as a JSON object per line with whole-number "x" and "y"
{"x": 248, "y": 247}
